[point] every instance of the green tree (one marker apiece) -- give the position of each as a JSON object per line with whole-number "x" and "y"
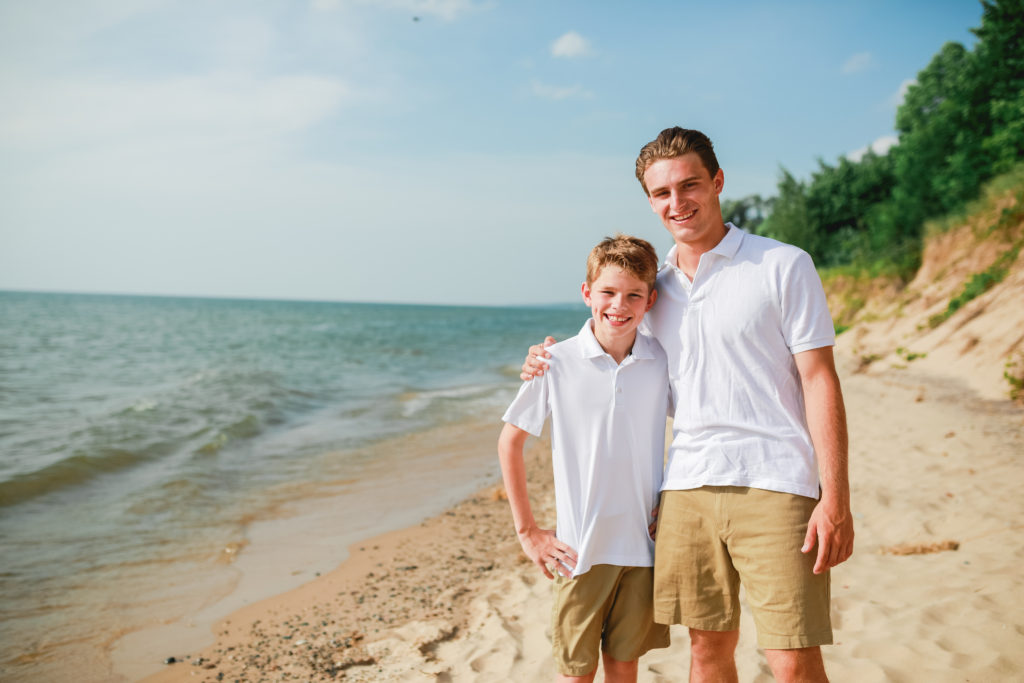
{"x": 999, "y": 78}
{"x": 789, "y": 221}
{"x": 747, "y": 212}
{"x": 839, "y": 202}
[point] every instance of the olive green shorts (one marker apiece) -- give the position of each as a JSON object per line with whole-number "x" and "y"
{"x": 607, "y": 609}
{"x": 712, "y": 539}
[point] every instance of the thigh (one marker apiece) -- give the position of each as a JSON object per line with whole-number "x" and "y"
{"x": 578, "y": 614}
{"x": 630, "y": 629}
{"x": 695, "y": 583}
{"x": 790, "y": 604}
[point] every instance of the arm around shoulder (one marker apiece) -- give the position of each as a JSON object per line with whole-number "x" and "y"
{"x": 534, "y": 365}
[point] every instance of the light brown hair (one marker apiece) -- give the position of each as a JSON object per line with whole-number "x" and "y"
{"x": 634, "y": 255}
{"x": 675, "y": 142}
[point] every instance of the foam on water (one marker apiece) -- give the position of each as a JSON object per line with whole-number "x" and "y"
{"x": 140, "y": 437}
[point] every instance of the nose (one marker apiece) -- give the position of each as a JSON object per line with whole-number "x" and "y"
{"x": 677, "y": 200}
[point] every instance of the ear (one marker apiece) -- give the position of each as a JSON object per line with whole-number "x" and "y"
{"x": 719, "y": 181}
{"x": 586, "y": 293}
{"x": 651, "y": 299}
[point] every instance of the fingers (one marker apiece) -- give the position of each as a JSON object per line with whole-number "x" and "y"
{"x": 561, "y": 557}
{"x": 549, "y": 340}
{"x": 810, "y": 537}
{"x": 559, "y": 566}
{"x": 534, "y": 365}
{"x": 544, "y": 568}
{"x": 821, "y": 561}
{"x": 568, "y": 554}
{"x": 540, "y": 350}
{"x": 842, "y": 553}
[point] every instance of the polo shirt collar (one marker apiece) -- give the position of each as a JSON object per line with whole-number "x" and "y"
{"x": 591, "y": 348}
{"x": 727, "y": 247}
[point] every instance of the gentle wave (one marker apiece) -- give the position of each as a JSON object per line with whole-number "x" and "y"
{"x": 141, "y": 430}
{"x": 71, "y": 471}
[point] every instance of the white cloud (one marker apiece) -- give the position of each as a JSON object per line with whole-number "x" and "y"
{"x": 571, "y": 45}
{"x": 556, "y": 92}
{"x": 896, "y": 100}
{"x": 858, "y": 62}
{"x": 214, "y": 107}
{"x": 880, "y": 146}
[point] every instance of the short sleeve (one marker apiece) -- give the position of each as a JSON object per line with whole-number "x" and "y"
{"x": 531, "y": 406}
{"x": 806, "y": 321}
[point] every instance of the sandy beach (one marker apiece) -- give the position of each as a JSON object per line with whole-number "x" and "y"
{"x": 932, "y": 592}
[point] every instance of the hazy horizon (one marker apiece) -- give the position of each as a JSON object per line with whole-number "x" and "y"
{"x": 426, "y": 151}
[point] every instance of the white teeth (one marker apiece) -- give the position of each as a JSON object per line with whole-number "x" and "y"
{"x": 617, "y": 319}
{"x": 686, "y": 216}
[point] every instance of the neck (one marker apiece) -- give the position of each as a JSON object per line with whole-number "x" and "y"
{"x": 688, "y": 253}
{"x": 618, "y": 349}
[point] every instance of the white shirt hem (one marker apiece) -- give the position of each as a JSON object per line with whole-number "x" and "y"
{"x": 797, "y": 489}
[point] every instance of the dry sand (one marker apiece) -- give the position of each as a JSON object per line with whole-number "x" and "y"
{"x": 933, "y": 591}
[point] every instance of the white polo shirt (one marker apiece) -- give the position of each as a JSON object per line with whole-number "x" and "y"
{"x": 730, "y": 336}
{"x": 607, "y": 442}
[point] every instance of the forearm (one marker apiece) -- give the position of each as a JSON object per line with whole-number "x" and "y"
{"x": 826, "y": 422}
{"x": 513, "y": 473}
{"x": 826, "y": 418}
{"x": 831, "y": 524}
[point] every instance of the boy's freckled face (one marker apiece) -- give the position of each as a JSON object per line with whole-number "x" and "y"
{"x": 618, "y": 301}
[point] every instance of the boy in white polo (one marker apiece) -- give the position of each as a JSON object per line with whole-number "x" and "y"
{"x": 607, "y": 393}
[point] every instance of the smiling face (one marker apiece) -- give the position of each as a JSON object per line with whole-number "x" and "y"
{"x": 685, "y": 196}
{"x": 618, "y": 300}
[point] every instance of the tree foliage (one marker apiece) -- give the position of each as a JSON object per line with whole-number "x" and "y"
{"x": 961, "y": 123}
{"x": 748, "y": 212}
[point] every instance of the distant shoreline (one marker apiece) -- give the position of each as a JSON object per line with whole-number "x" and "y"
{"x": 284, "y": 300}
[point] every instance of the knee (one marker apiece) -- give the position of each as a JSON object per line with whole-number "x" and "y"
{"x": 713, "y": 645}
{"x": 616, "y": 671}
{"x": 805, "y": 665}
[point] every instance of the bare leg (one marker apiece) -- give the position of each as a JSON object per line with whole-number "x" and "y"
{"x": 589, "y": 678}
{"x": 713, "y": 656}
{"x": 797, "y": 666}
{"x": 619, "y": 672}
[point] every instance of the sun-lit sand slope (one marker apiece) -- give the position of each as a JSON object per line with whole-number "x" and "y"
{"x": 932, "y": 593}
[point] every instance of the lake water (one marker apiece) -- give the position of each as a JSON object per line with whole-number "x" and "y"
{"x": 142, "y": 439}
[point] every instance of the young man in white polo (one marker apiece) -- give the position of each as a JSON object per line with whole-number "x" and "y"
{"x": 756, "y": 490}
{"x": 607, "y": 394}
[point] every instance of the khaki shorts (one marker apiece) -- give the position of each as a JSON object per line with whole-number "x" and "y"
{"x": 712, "y": 539}
{"x": 607, "y": 609}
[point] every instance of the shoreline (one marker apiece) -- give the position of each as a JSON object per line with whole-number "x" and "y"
{"x": 930, "y": 591}
{"x": 317, "y": 532}
{"x": 407, "y": 589}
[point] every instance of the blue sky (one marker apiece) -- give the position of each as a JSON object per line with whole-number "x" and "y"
{"x": 426, "y": 151}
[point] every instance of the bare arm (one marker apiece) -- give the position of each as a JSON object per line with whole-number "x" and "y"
{"x": 540, "y": 545}
{"x": 534, "y": 365}
{"x": 831, "y": 523}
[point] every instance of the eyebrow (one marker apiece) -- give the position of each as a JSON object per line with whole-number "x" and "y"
{"x": 681, "y": 182}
